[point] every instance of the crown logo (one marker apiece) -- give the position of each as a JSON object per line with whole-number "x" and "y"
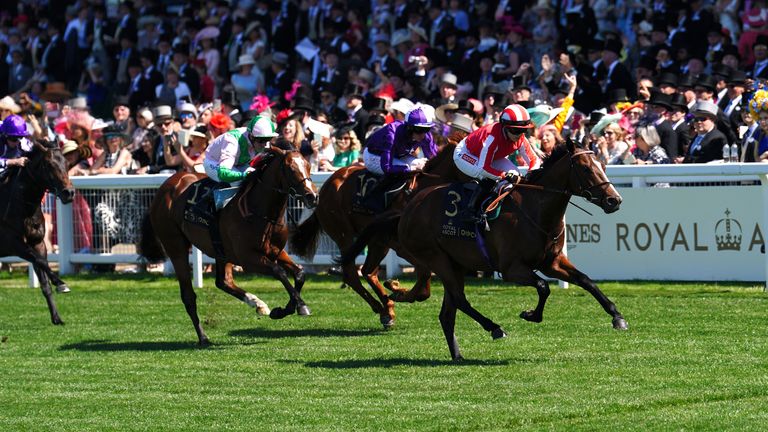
{"x": 728, "y": 233}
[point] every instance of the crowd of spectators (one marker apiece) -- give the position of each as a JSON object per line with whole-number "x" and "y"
{"x": 143, "y": 86}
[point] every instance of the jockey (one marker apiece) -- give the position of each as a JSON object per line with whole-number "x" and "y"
{"x": 483, "y": 154}
{"x": 389, "y": 149}
{"x": 13, "y": 143}
{"x": 226, "y": 159}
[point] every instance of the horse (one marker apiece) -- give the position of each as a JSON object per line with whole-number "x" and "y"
{"x": 252, "y": 229}
{"x": 527, "y": 236}
{"x": 335, "y": 216}
{"x": 22, "y": 227}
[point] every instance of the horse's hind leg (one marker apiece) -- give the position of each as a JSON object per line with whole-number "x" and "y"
{"x": 448, "y": 324}
{"x": 226, "y": 282}
{"x": 370, "y": 271}
{"x": 563, "y": 269}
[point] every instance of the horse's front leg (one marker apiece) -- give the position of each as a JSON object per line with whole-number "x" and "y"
{"x": 563, "y": 269}
{"x": 226, "y": 282}
{"x": 299, "y": 277}
{"x": 257, "y": 262}
{"x": 525, "y": 276}
{"x": 40, "y": 265}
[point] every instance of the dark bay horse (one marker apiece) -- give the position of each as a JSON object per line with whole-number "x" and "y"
{"x": 252, "y": 226}
{"x": 22, "y": 227}
{"x": 335, "y": 216}
{"x": 527, "y": 236}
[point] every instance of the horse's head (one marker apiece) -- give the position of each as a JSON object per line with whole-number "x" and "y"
{"x": 296, "y": 177}
{"x": 48, "y": 167}
{"x": 588, "y": 179}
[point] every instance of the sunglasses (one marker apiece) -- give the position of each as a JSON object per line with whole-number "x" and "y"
{"x": 700, "y": 119}
{"x": 13, "y": 139}
{"x": 516, "y": 131}
{"x": 186, "y": 115}
{"x": 167, "y": 123}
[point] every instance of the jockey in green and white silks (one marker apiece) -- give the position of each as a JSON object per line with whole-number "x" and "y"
{"x": 226, "y": 159}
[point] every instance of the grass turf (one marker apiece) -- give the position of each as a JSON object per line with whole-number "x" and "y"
{"x": 695, "y": 358}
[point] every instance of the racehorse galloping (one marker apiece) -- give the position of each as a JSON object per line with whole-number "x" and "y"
{"x": 252, "y": 226}
{"x": 334, "y": 215}
{"x": 22, "y": 228}
{"x": 527, "y": 236}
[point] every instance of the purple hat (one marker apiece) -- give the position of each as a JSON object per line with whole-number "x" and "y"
{"x": 14, "y": 126}
{"x": 418, "y": 118}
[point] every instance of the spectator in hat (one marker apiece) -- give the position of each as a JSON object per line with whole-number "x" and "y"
{"x": 611, "y": 140}
{"x": 334, "y": 36}
{"x": 721, "y": 73}
{"x": 248, "y": 81}
{"x": 211, "y": 56}
{"x": 8, "y": 106}
{"x": 173, "y": 90}
{"x": 255, "y": 40}
{"x": 329, "y": 106}
{"x": 615, "y": 74}
{"x": 677, "y": 116}
{"x": 328, "y": 74}
{"x": 232, "y": 49}
{"x": 708, "y": 142}
{"x": 660, "y": 111}
{"x": 751, "y": 137}
{"x": 730, "y": 57}
{"x": 54, "y": 53}
{"x": 115, "y": 158}
{"x": 355, "y": 111}
{"x": 759, "y": 69}
{"x": 492, "y": 99}
{"x": 165, "y": 128}
{"x": 187, "y": 116}
{"x": 448, "y": 88}
{"x": 754, "y": 26}
{"x": 187, "y": 72}
{"x": 144, "y": 125}
{"x": 731, "y": 104}
{"x": 121, "y": 114}
{"x": 278, "y": 80}
{"x": 191, "y": 156}
{"x": 667, "y": 83}
{"x": 521, "y": 91}
{"x": 705, "y": 92}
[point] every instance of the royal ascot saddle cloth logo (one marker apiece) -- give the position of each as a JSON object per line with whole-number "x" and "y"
{"x": 200, "y": 208}
{"x": 454, "y": 203}
{"x": 728, "y": 233}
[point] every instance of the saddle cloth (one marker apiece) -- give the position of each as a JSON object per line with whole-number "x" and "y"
{"x": 375, "y": 192}
{"x": 200, "y": 208}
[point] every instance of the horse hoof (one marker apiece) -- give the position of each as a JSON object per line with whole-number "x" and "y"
{"x": 63, "y": 288}
{"x": 498, "y": 333}
{"x": 387, "y": 321}
{"x": 57, "y": 321}
{"x": 277, "y": 313}
{"x": 263, "y": 310}
{"x": 620, "y": 324}
{"x": 204, "y": 343}
{"x": 458, "y": 359}
{"x": 530, "y": 316}
{"x": 303, "y": 310}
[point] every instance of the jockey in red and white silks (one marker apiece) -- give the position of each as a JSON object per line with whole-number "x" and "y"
{"x": 483, "y": 154}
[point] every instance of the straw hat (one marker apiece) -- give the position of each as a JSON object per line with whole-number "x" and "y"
{"x": 462, "y": 123}
{"x": 68, "y": 147}
{"x": 8, "y": 103}
{"x": 55, "y": 92}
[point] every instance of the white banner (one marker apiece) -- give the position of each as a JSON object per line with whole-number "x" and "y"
{"x": 692, "y": 233}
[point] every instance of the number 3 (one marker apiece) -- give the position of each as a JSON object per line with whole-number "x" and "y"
{"x": 454, "y": 203}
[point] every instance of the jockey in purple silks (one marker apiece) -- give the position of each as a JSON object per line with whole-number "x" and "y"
{"x": 389, "y": 149}
{"x": 13, "y": 143}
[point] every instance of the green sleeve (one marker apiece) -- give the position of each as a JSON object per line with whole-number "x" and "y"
{"x": 229, "y": 175}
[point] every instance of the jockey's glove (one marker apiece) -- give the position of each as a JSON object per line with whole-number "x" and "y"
{"x": 249, "y": 170}
{"x": 512, "y": 177}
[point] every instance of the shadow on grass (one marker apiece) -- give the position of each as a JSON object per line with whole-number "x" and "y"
{"x": 109, "y": 346}
{"x": 291, "y": 333}
{"x": 395, "y": 362}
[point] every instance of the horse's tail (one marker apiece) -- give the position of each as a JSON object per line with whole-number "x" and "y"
{"x": 386, "y": 223}
{"x": 306, "y": 237}
{"x": 149, "y": 247}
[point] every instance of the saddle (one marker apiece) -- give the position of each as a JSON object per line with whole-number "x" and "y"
{"x": 375, "y": 192}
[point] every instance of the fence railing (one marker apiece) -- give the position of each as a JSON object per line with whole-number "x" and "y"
{"x": 102, "y": 225}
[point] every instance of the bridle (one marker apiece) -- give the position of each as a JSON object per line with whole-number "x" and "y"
{"x": 291, "y": 190}
{"x": 34, "y": 162}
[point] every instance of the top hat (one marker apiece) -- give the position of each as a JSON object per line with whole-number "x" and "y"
{"x": 280, "y": 58}
{"x": 686, "y": 82}
{"x": 354, "y": 90}
{"x": 492, "y": 89}
{"x": 377, "y": 104}
{"x": 450, "y": 80}
{"x": 660, "y": 99}
{"x": 721, "y": 71}
{"x": 668, "y": 79}
{"x": 617, "y": 95}
{"x": 706, "y": 82}
{"x": 737, "y": 78}
{"x": 303, "y": 103}
{"x": 677, "y": 101}
{"x": 613, "y": 45}
{"x": 162, "y": 113}
{"x": 706, "y": 108}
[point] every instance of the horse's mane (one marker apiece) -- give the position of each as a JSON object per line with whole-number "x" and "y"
{"x": 557, "y": 153}
{"x": 271, "y": 155}
{"x": 445, "y": 152}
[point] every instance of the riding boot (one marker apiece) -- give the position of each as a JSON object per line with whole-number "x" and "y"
{"x": 474, "y": 211}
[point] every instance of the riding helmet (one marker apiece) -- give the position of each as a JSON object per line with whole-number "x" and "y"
{"x": 15, "y": 126}
{"x": 515, "y": 115}
{"x": 261, "y": 127}
{"x": 418, "y": 118}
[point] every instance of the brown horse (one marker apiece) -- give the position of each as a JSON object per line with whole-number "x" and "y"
{"x": 252, "y": 226}
{"x": 22, "y": 227}
{"x": 335, "y": 216}
{"x": 527, "y": 236}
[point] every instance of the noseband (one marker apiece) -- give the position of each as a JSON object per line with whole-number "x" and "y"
{"x": 585, "y": 192}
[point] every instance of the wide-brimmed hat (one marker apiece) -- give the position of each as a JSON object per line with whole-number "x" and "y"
{"x": 245, "y": 59}
{"x": 366, "y": 75}
{"x": 68, "y": 147}
{"x": 442, "y": 110}
{"x": 543, "y": 114}
{"x": 462, "y": 123}
{"x": 280, "y": 58}
{"x": 162, "y": 113}
{"x": 400, "y": 36}
{"x": 55, "y": 92}
{"x": 705, "y": 108}
{"x": 8, "y": 103}
{"x": 402, "y": 105}
{"x": 210, "y": 32}
{"x": 418, "y": 30}
{"x": 604, "y": 122}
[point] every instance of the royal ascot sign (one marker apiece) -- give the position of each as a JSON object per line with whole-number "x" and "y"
{"x": 692, "y": 233}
